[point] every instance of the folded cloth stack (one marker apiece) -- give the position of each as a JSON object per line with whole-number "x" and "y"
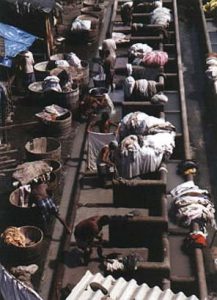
{"x": 193, "y": 204}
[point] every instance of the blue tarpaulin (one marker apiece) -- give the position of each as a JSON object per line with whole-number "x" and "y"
{"x": 15, "y": 40}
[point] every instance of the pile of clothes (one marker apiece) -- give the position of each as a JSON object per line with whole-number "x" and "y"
{"x": 210, "y": 6}
{"x": 161, "y": 16}
{"x": 143, "y": 54}
{"x": 51, "y": 83}
{"x": 13, "y": 236}
{"x": 193, "y": 204}
{"x": 145, "y": 142}
{"x": 81, "y": 25}
{"x": 73, "y": 60}
{"x": 52, "y": 112}
{"x": 143, "y": 90}
{"x": 124, "y": 264}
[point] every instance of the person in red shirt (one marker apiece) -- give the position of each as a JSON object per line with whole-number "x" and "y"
{"x": 86, "y": 231}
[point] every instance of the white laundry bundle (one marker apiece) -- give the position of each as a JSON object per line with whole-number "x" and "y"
{"x": 139, "y": 50}
{"x": 161, "y": 16}
{"x": 73, "y": 60}
{"x": 61, "y": 63}
{"x": 80, "y": 25}
{"x": 51, "y": 83}
{"x": 193, "y": 203}
{"x": 140, "y": 123}
{"x": 211, "y": 71}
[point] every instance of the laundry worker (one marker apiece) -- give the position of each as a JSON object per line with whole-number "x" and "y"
{"x": 104, "y": 124}
{"x": 126, "y": 12}
{"x": 41, "y": 196}
{"x": 108, "y": 162}
{"x": 86, "y": 231}
{"x": 27, "y": 69}
{"x": 109, "y": 44}
{"x": 109, "y": 68}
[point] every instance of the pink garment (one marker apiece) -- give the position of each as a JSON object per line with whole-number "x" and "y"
{"x": 155, "y": 58}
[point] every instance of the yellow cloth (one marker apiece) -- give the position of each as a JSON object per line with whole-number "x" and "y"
{"x": 210, "y": 6}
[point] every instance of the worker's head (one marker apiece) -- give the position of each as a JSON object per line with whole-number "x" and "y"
{"x": 159, "y": 86}
{"x": 113, "y": 145}
{"x": 104, "y": 220}
{"x": 105, "y": 116}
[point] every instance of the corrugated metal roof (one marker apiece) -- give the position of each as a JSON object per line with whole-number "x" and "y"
{"x": 120, "y": 289}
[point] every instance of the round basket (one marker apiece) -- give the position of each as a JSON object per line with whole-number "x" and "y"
{"x": 30, "y": 254}
{"x": 43, "y": 148}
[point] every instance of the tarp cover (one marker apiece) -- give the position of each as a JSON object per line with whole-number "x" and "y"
{"x": 45, "y": 6}
{"x": 15, "y": 41}
{"x": 28, "y": 171}
{"x": 13, "y": 289}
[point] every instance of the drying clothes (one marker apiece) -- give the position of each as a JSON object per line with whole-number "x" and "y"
{"x": 192, "y": 204}
{"x": 161, "y": 16}
{"x": 140, "y": 123}
{"x": 210, "y": 6}
{"x": 51, "y": 83}
{"x": 80, "y": 25}
{"x": 96, "y": 141}
{"x": 73, "y": 60}
{"x": 155, "y": 58}
{"x": 13, "y": 289}
{"x": 139, "y": 50}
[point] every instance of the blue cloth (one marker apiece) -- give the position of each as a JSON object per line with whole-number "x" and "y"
{"x": 47, "y": 208}
{"x": 16, "y": 41}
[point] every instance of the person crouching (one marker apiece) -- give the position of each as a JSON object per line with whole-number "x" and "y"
{"x": 87, "y": 231}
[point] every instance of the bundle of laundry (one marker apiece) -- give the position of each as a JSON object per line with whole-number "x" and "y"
{"x": 51, "y": 113}
{"x": 81, "y": 25}
{"x": 193, "y": 204}
{"x": 161, "y": 16}
{"x": 210, "y": 6}
{"x": 143, "y": 90}
{"x": 144, "y": 154}
{"x": 211, "y": 63}
{"x": 51, "y": 83}
{"x": 138, "y": 50}
{"x": 155, "y": 58}
{"x": 123, "y": 263}
{"x": 139, "y": 123}
{"x": 73, "y": 60}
